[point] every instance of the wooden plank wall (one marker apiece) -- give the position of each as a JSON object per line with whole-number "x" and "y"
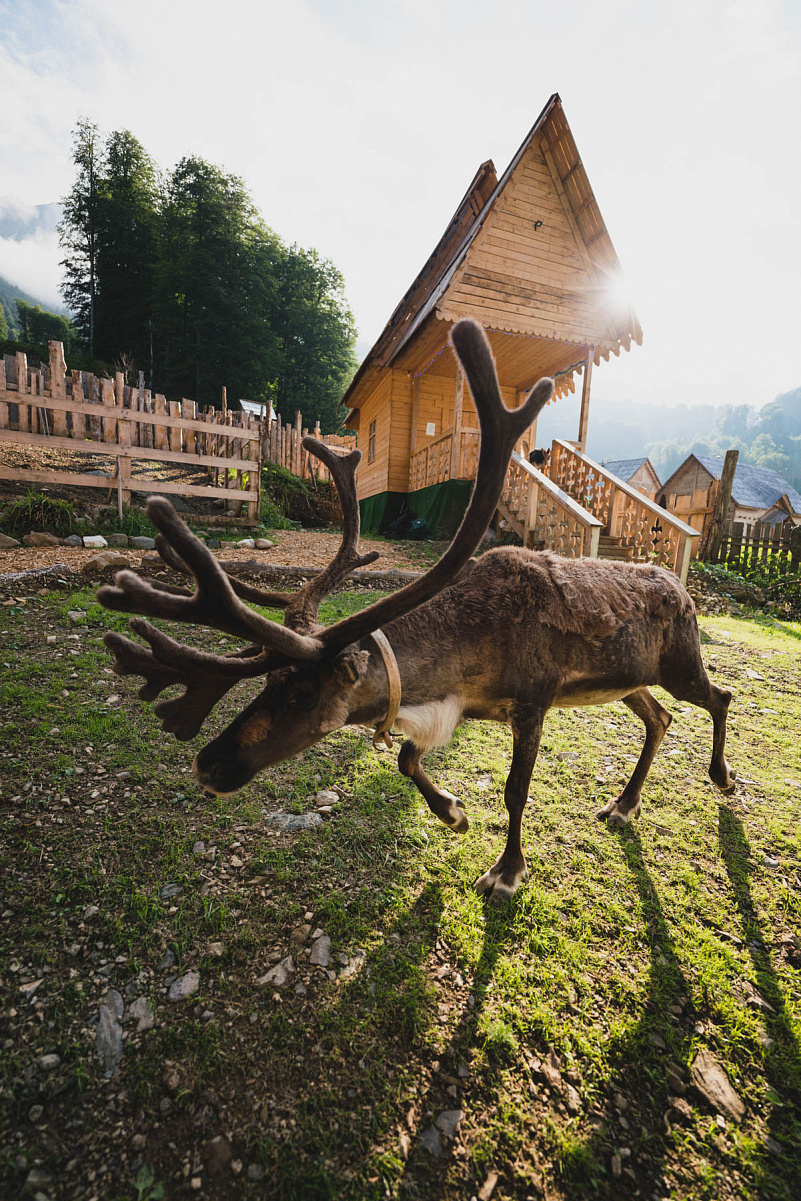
{"x": 534, "y": 276}
{"x": 45, "y": 407}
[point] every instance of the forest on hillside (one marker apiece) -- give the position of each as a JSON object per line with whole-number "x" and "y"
{"x": 769, "y": 436}
{"x": 177, "y": 275}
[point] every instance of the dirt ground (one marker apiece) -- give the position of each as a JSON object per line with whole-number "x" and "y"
{"x": 298, "y": 548}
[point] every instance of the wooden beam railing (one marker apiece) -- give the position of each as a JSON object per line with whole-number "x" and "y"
{"x": 544, "y": 516}
{"x": 447, "y": 457}
{"x": 652, "y": 533}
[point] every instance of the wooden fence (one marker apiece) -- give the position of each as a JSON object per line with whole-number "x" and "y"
{"x": 747, "y": 548}
{"x": 46, "y": 407}
{"x": 281, "y": 444}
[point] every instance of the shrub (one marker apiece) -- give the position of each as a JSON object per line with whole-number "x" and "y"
{"x": 35, "y": 511}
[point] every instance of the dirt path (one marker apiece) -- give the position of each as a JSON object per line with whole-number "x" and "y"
{"x": 293, "y": 548}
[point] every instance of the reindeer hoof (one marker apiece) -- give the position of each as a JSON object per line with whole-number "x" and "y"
{"x": 616, "y": 818}
{"x": 497, "y": 885}
{"x": 455, "y": 817}
{"x": 730, "y": 784}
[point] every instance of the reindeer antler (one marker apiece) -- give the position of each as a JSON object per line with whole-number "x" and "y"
{"x": 217, "y": 601}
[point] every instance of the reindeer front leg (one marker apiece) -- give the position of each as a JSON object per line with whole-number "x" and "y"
{"x": 507, "y": 874}
{"x": 447, "y": 808}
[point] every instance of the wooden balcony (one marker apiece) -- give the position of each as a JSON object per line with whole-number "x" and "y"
{"x": 448, "y": 457}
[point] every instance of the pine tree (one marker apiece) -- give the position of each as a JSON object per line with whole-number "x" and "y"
{"x": 79, "y": 230}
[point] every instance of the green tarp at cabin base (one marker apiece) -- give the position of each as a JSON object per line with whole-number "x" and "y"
{"x": 441, "y": 505}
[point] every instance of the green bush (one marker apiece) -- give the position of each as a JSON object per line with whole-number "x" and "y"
{"x": 39, "y": 512}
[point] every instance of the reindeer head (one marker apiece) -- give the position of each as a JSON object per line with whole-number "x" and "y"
{"x": 316, "y": 678}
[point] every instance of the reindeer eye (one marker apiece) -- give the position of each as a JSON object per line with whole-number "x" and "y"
{"x": 304, "y": 700}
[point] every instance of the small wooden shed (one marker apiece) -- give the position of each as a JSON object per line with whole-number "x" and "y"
{"x": 639, "y": 473}
{"x": 758, "y": 494}
{"x": 529, "y": 257}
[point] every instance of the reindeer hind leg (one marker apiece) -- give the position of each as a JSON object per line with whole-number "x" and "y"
{"x": 619, "y": 812}
{"x": 697, "y": 689}
{"x": 448, "y": 809}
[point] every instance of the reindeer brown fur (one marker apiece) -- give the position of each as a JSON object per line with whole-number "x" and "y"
{"x": 503, "y": 639}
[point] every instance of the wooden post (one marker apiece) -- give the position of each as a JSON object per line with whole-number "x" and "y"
{"x": 58, "y": 386}
{"x": 224, "y": 399}
{"x": 124, "y": 439}
{"x": 456, "y": 425}
{"x": 711, "y": 548}
{"x": 585, "y": 404}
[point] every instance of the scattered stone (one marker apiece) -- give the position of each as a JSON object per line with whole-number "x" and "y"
{"x": 213, "y": 543}
{"x": 773, "y": 1146}
{"x": 7, "y": 543}
{"x": 449, "y": 1122}
{"x": 247, "y": 543}
{"x": 675, "y": 1082}
{"x": 617, "y": 1166}
{"x": 138, "y": 1142}
{"x": 278, "y": 975}
{"x": 753, "y": 675}
{"x": 35, "y": 1112}
{"x": 145, "y": 1018}
{"x": 300, "y": 934}
{"x": 77, "y": 617}
{"x": 168, "y": 891}
{"x": 117, "y": 539}
{"x": 217, "y": 1155}
{"x": 37, "y": 1178}
{"x": 199, "y": 848}
{"x": 255, "y": 1172}
{"x": 264, "y": 544}
{"x": 300, "y": 990}
{"x": 30, "y": 988}
{"x": 321, "y": 952}
{"x": 568, "y": 756}
{"x": 327, "y": 797}
{"x": 167, "y": 960}
{"x": 714, "y": 1086}
{"x": 620, "y": 1101}
{"x": 294, "y": 821}
{"x": 41, "y": 540}
{"x": 48, "y": 1063}
{"x": 184, "y": 987}
{"x": 95, "y": 541}
{"x": 217, "y": 949}
{"x": 142, "y": 542}
{"x": 430, "y": 1141}
{"x": 108, "y": 1038}
{"x": 657, "y": 1040}
{"x": 105, "y": 560}
{"x": 572, "y": 1099}
{"x": 72, "y": 540}
{"x": 488, "y": 1187}
{"x": 355, "y": 965}
{"x": 770, "y": 862}
{"x": 151, "y": 562}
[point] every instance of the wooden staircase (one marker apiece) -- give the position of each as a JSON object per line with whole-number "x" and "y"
{"x": 580, "y": 508}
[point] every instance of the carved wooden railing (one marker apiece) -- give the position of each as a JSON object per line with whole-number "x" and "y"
{"x": 435, "y": 462}
{"x": 545, "y": 516}
{"x": 650, "y": 531}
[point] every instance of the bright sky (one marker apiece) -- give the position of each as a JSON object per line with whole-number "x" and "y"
{"x": 357, "y": 125}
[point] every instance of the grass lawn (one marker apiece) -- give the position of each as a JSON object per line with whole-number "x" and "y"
{"x": 546, "y": 1041}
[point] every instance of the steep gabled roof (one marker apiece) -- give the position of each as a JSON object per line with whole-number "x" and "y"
{"x": 626, "y": 468}
{"x": 754, "y": 487}
{"x": 452, "y": 276}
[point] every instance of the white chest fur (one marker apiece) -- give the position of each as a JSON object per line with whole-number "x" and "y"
{"x": 431, "y": 724}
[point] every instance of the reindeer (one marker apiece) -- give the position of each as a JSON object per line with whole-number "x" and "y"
{"x": 504, "y": 638}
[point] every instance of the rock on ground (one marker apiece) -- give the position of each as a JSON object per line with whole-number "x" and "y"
{"x": 714, "y": 1086}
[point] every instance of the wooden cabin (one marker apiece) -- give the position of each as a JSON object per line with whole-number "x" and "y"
{"x": 529, "y": 257}
{"x": 758, "y": 495}
{"x": 639, "y": 473}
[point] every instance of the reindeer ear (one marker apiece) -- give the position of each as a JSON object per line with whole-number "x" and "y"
{"x": 349, "y": 666}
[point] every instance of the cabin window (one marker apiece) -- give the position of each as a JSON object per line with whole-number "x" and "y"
{"x": 371, "y": 443}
